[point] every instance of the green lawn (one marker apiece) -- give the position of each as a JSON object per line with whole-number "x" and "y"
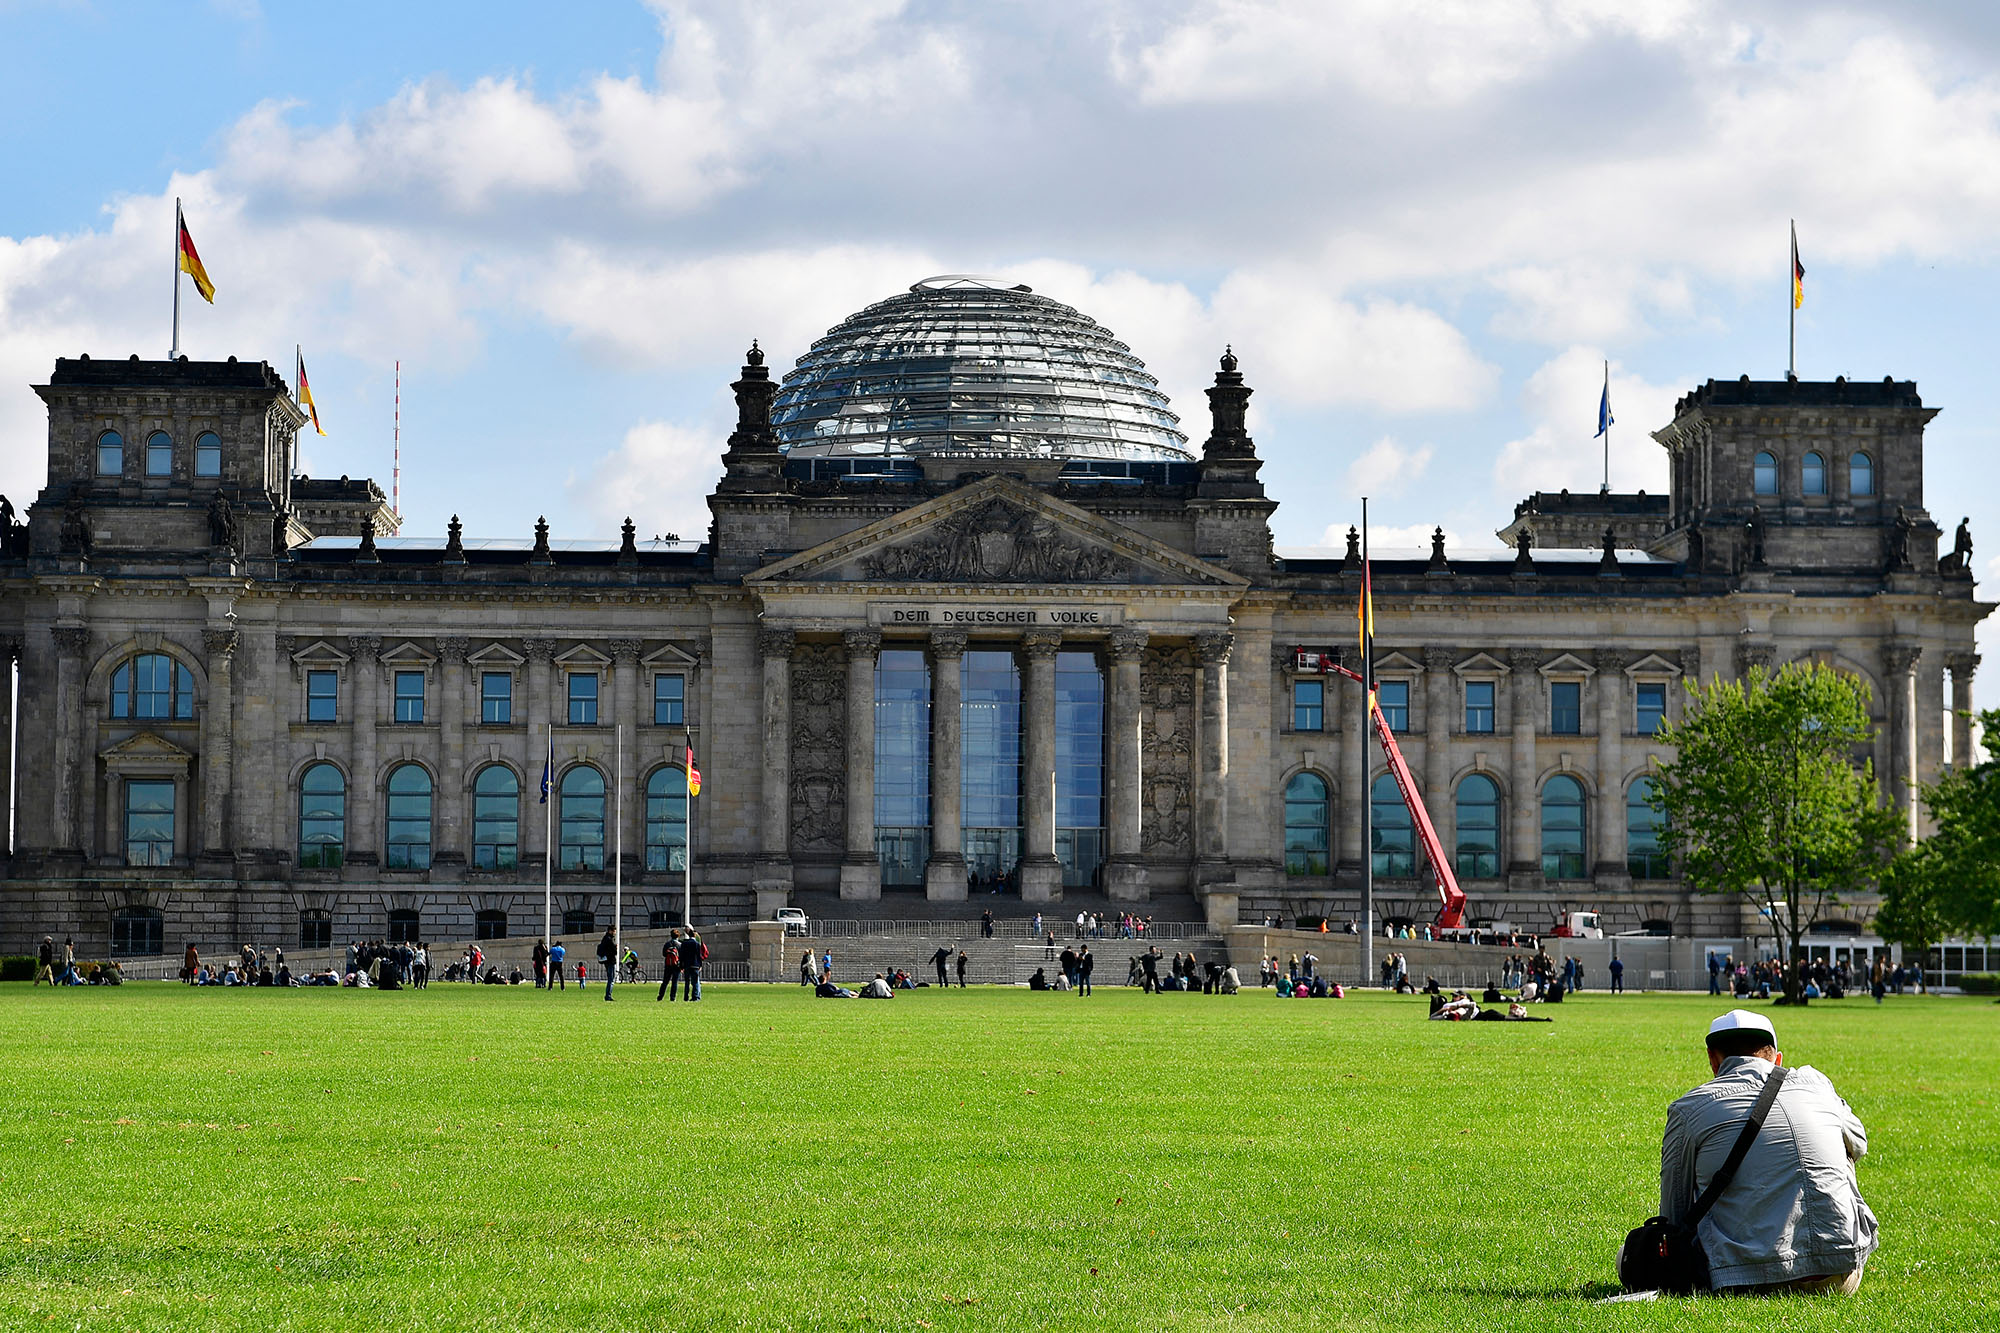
{"x": 497, "y": 1158}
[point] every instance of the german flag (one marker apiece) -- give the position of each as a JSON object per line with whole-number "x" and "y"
{"x": 1798, "y": 272}
{"x": 693, "y": 775}
{"x": 190, "y": 260}
{"x": 305, "y": 391}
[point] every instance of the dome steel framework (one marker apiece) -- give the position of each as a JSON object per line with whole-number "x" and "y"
{"x": 969, "y": 367}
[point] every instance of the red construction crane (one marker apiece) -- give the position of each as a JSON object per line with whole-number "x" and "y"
{"x": 1451, "y": 912}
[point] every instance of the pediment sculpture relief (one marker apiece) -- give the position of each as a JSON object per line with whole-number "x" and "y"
{"x": 997, "y": 542}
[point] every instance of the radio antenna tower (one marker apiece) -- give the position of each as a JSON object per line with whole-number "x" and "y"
{"x": 396, "y": 457}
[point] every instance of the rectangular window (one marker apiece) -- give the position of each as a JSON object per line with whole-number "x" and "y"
{"x": 1308, "y": 705}
{"x": 409, "y": 696}
{"x": 110, "y": 456}
{"x": 1566, "y": 708}
{"x": 1652, "y": 709}
{"x": 902, "y": 765}
{"x": 149, "y": 823}
{"x": 669, "y": 701}
{"x": 583, "y": 698}
{"x": 1394, "y": 698}
{"x": 207, "y": 458}
{"x": 1080, "y": 701}
{"x": 1479, "y": 706}
{"x": 322, "y": 696}
{"x": 496, "y": 697}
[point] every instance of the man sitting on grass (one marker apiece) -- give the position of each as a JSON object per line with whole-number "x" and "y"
{"x": 1793, "y": 1218}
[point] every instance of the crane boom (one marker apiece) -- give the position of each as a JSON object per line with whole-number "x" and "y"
{"x": 1451, "y": 911}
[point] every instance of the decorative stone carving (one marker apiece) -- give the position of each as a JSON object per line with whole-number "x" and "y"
{"x": 996, "y": 542}
{"x": 1899, "y": 539}
{"x": 540, "y": 555}
{"x": 367, "y": 555}
{"x": 948, "y": 645}
{"x": 1126, "y": 645}
{"x": 1524, "y": 661}
{"x": 1750, "y": 656}
{"x": 819, "y": 750}
{"x": 222, "y": 533}
{"x": 71, "y": 640}
{"x": 1041, "y": 643}
{"x": 1212, "y": 649}
{"x": 454, "y": 542}
{"x": 628, "y": 543}
{"x": 862, "y": 640}
{"x": 625, "y": 652}
{"x": 1899, "y": 659}
{"x": 539, "y": 650}
{"x": 1166, "y": 740}
{"x": 1608, "y": 660}
{"x": 776, "y": 642}
{"x": 1438, "y": 564}
{"x": 451, "y": 649}
{"x": 1440, "y": 659}
{"x": 364, "y": 647}
{"x": 218, "y": 642}
{"x": 75, "y": 531}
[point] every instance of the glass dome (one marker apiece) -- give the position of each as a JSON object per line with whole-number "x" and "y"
{"x": 961, "y": 366}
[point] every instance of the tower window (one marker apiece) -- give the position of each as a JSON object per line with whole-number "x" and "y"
{"x": 1860, "y": 476}
{"x": 110, "y": 454}
{"x": 159, "y": 454}
{"x": 207, "y": 455}
{"x": 1764, "y": 474}
{"x": 1812, "y": 474}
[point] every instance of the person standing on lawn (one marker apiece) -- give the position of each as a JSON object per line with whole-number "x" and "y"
{"x": 560, "y": 981}
{"x": 961, "y": 969}
{"x": 1086, "y": 963}
{"x": 541, "y": 956}
{"x": 941, "y": 960}
{"x": 1617, "y": 975}
{"x": 670, "y": 967}
{"x": 1792, "y": 1218}
{"x": 693, "y": 953}
{"x": 607, "y": 958}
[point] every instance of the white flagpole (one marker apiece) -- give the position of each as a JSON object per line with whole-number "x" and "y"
{"x": 548, "y": 843}
{"x": 687, "y": 852}
{"x": 174, "y": 352}
{"x": 1607, "y": 427}
{"x": 618, "y": 862}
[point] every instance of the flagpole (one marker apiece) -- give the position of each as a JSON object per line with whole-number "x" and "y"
{"x": 1792, "y": 308}
{"x": 1365, "y": 798}
{"x": 1607, "y": 428}
{"x": 548, "y": 842}
{"x": 687, "y": 852}
{"x": 618, "y": 861}
{"x": 173, "y": 353}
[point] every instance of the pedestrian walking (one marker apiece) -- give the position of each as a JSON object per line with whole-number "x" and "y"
{"x": 670, "y": 967}
{"x": 1150, "y": 961}
{"x": 607, "y": 958}
{"x": 45, "y": 961}
{"x": 808, "y": 973}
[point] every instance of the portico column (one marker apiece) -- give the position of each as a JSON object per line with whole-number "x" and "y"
{"x": 1899, "y": 681}
{"x": 1610, "y": 814}
{"x": 1524, "y": 804}
{"x": 1440, "y": 689}
{"x": 1124, "y": 871}
{"x": 1212, "y": 803}
{"x": 1041, "y": 872}
{"x": 1356, "y": 730}
{"x": 944, "y": 875}
{"x": 70, "y": 641}
{"x": 624, "y": 709}
{"x": 363, "y": 797}
{"x": 10, "y": 651}
{"x": 217, "y": 738}
{"x": 451, "y": 753}
{"x": 860, "y": 867}
{"x": 1962, "y": 666}
{"x": 538, "y": 712}
{"x": 774, "y": 836}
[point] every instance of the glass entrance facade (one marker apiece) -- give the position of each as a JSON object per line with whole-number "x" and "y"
{"x": 990, "y": 763}
{"x": 1079, "y": 769}
{"x": 902, "y": 766}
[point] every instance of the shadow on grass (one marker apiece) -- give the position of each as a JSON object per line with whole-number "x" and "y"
{"x": 1589, "y": 1291}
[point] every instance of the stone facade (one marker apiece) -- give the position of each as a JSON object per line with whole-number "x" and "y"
{"x": 198, "y": 684}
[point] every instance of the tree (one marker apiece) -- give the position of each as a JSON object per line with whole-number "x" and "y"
{"x": 1950, "y": 882}
{"x": 1766, "y": 800}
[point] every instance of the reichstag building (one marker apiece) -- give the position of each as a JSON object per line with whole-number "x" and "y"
{"x": 973, "y": 614}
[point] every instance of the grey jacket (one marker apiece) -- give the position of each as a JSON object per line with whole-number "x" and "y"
{"x": 1794, "y": 1209}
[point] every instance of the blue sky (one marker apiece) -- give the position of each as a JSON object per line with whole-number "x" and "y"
{"x": 1424, "y": 228}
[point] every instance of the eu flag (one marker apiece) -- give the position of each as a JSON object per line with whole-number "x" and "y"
{"x": 546, "y": 763}
{"x": 1604, "y": 410}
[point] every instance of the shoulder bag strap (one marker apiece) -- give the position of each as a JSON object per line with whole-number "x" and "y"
{"x": 1751, "y": 1128}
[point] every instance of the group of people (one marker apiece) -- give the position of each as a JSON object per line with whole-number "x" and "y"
{"x": 57, "y": 965}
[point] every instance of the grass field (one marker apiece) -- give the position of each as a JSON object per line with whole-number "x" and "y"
{"x": 497, "y": 1158}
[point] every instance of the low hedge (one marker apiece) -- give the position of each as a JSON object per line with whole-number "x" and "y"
{"x": 17, "y": 967}
{"x": 1980, "y": 983}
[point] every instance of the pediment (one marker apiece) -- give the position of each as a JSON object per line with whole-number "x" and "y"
{"x": 1482, "y": 664}
{"x": 1652, "y": 664}
{"x": 583, "y": 657}
{"x": 997, "y": 530}
{"x": 669, "y": 655}
{"x": 407, "y": 654}
{"x": 1398, "y": 664}
{"x": 1569, "y": 664}
{"x": 320, "y": 653}
{"x": 142, "y": 747}
{"x": 496, "y": 655}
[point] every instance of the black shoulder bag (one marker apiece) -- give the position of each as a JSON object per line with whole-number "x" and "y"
{"x": 1667, "y": 1256}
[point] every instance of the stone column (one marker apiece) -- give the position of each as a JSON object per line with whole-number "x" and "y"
{"x": 1439, "y": 708}
{"x": 1962, "y": 666}
{"x": 1523, "y": 859}
{"x": 1357, "y": 736}
{"x": 1124, "y": 870}
{"x": 1212, "y": 803}
{"x": 1927, "y": 762}
{"x": 944, "y": 874}
{"x": 71, "y": 642}
{"x": 860, "y": 868}
{"x": 364, "y": 799}
{"x": 772, "y": 879}
{"x": 218, "y": 729}
{"x": 1041, "y": 872}
{"x": 538, "y": 711}
{"x": 624, "y": 712}
{"x": 10, "y": 651}
{"x": 452, "y": 777}
{"x": 1610, "y": 684}
{"x": 1899, "y": 682}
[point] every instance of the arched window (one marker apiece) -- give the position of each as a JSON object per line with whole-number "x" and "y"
{"x": 490, "y": 924}
{"x": 207, "y": 454}
{"x": 152, "y": 686}
{"x": 315, "y": 929}
{"x": 1562, "y": 828}
{"x": 1644, "y": 858}
{"x": 1812, "y": 474}
{"x": 579, "y": 921}
{"x": 405, "y": 926}
{"x": 1764, "y": 474}
{"x": 409, "y": 824}
{"x": 1478, "y": 827}
{"x": 581, "y": 845}
{"x": 666, "y": 820}
{"x": 1395, "y": 849}
{"x": 1860, "y": 476}
{"x": 496, "y": 818}
{"x": 137, "y": 930}
{"x": 110, "y": 454}
{"x": 322, "y": 818}
{"x": 1305, "y": 825}
{"x": 159, "y": 454}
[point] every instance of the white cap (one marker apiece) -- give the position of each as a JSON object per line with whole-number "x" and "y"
{"x": 1738, "y": 1020}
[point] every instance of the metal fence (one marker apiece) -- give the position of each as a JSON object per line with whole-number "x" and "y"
{"x": 1009, "y": 929}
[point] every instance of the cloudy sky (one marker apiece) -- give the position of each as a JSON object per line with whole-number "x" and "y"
{"x": 1425, "y": 228}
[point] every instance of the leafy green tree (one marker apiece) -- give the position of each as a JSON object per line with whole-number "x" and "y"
{"x": 1764, "y": 798}
{"x": 1950, "y": 882}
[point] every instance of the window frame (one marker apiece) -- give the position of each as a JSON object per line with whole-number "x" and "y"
{"x": 122, "y": 934}
{"x": 158, "y": 851}
{"x": 125, "y": 692}
{"x": 577, "y": 704}
{"x": 1579, "y": 866}
{"x": 505, "y": 855}
{"x": 320, "y": 859}
{"x": 1459, "y": 853}
{"x": 1299, "y": 860}
{"x": 1639, "y": 710}
{"x": 1308, "y": 716}
{"x": 1576, "y": 728}
{"x": 405, "y": 715}
{"x": 320, "y": 936}
{"x": 207, "y": 450}
{"x": 589, "y": 853}
{"x": 1390, "y": 711}
{"x": 327, "y": 676}
{"x": 405, "y": 926}
{"x": 159, "y": 448}
{"x": 1473, "y": 712}
{"x": 407, "y": 853}
{"x": 674, "y": 704}
{"x": 1810, "y": 462}
{"x": 1385, "y": 862}
{"x": 488, "y": 699}
{"x": 1764, "y": 473}
{"x": 659, "y": 821}
{"x": 1653, "y": 864}
{"x": 114, "y": 442}
{"x": 1867, "y": 470}
{"x": 486, "y": 927}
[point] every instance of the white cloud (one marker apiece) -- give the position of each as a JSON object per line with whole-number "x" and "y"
{"x": 660, "y": 476}
{"x": 1387, "y": 469}
{"x": 1401, "y": 540}
{"x": 1562, "y": 451}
